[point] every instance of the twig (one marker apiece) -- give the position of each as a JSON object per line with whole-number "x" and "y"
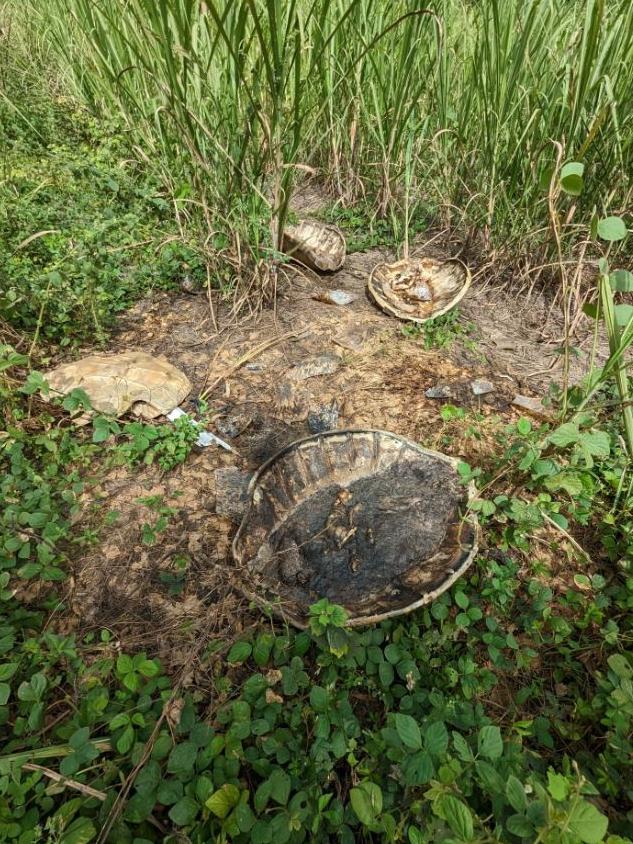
{"x": 567, "y": 536}
{"x": 210, "y": 299}
{"x": 252, "y": 353}
{"x": 60, "y": 778}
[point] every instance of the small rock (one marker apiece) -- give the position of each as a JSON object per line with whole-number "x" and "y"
{"x": 440, "y": 391}
{"x": 534, "y": 407}
{"x": 231, "y": 426}
{"x": 231, "y": 492}
{"x": 481, "y": 388}
{"x": 311, "y": 368}
{"x": 188, "y": 285}
{"x": 353, "y": 338}
{"x": 292, "y": 400}
{"x": 334, "y": 297}
{"x": 255, "y": 367}
{"x": 323, "y": 419}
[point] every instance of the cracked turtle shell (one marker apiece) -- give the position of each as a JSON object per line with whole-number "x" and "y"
{"x": 418, "y": 289}
{"x": 365, "y": 518}
{"x": 319, "y": 246}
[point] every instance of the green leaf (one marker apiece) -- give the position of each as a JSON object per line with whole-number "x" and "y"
{"x": 545, "y": 178}
{"x": 140, "y": 806}
{"x": 80, "y": 831}
{"x": 620, "y": 665}
{"x": 571, "y": 177}
{"x": 524, "y": 426}
{"x": 587, "y": 822}
{"x": 366, "y": 802}
{"x": 458, "y": 816}
{"x": 597, "y": 443}
{"x": 623, "y": 314}
{"x": 125, "y": 740}
{"x": 415, "y": 836}
{"x": 244, "y": 817}
{"x": 262, "y": 648}
{"x": 279, "y": 782}
{"x": 124, "y": 664}
{"x": 621, "y": 281}
{"x": 516, "y": 794}
{"x": 319, "y": 699}
{"x": 79, "y": 738}
{"x": 169, "y": 792}
{"x": 489, "y": 742}
{"x": 261, "y": 833}
{"x": 436, "y": 738}
{"x": 148, "y": 668}
{"x": 385, "y": 673}
{"x": 223, "y": 800}
{"x": 182, "y": 758}
{"x": 462, "y": 747}
{"x": 239, "y": 653}
{"x": 262, "y": 796}
{"x": 570, "y": 482}
{"x": 557, "y": 785}
{"x": 520, "y": 825}
{"x": 490, "y": 777}
{"x": 184, "y": 811}
{"x": 408, "y": 730}
{"x": 564, "y": 435}
{"x": 611, "y": 229}
{"x": 5, "y": 691}
{"x": 417, "y": 768}
{"x": 32, "y": 690}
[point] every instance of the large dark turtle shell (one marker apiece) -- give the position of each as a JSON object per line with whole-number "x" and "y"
{"x": 364, "y": 518}
{"x": 418, "y": 289}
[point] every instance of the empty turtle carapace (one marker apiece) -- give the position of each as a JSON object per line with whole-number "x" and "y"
{"x": 364, "y": 518}
{"x": 319, "y": 246}
{"x": 418, "y": 289}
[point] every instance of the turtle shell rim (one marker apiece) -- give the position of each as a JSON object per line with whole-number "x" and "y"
{"x": 308, "y": 221}
{"x": 388, "y": 308}
{"x": 464, "y": 562}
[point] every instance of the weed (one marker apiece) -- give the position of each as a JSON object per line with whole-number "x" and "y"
{"x": 168, "y": 445}
{"x": 441, "y": 332}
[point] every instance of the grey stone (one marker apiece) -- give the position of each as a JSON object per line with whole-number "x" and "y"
{"x": 231, "y": 426}
{"x": 481, "y": 387}
{"x": 188, "y": 285}
{"x": 311, "y": 368}
{"x": 323, "y": 419}
{"x": 334, "y": 297}
{"x": 439, "y": 391}
{"x": 534, "y": 407}
{"x": 231, "y": 492}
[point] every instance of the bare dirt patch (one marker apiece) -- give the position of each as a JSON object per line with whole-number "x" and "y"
{"x": 160, "y": 596}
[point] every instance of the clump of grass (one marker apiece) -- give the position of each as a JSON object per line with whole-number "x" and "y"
{"x": 230, "y": 99}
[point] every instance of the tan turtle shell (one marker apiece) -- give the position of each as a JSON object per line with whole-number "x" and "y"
{"x": 319, "y": 246}
{"x": 418, "y": 289}
{"x": 365, "y": 518}
{"x": 149, "y": 385}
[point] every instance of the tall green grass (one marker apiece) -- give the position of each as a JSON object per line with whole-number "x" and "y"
{"x": 231, "y": 99}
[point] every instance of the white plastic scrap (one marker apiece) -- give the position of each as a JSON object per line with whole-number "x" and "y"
{"x": 205, "y": 438}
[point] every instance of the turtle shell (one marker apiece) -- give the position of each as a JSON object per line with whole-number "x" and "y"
{"x": 365, "y": 518}
{"x": 418, "y": 289}
{"x": 319, "y": 246}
